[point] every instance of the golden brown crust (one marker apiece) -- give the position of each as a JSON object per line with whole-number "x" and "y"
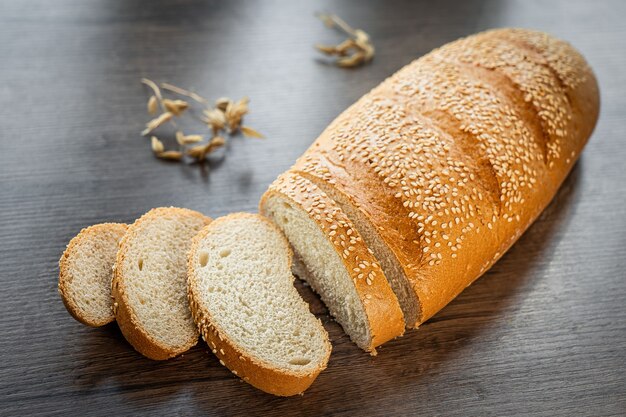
{"x": 455, "y": 155}
{"x": 380, "y": 304}
{"x": 241, "y": 363}
{"x": 124, "y": 314}
{"x": 65, "y": 269}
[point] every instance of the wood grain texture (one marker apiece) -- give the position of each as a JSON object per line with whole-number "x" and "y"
{"x": 542, "y": 333}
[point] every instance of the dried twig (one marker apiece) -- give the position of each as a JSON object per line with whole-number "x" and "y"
{"x": 354, "y": 51}
{"x": 177, "y": 107}
{"x": 215, "y": 118}
{"x": 222, "y": 103}
{"x": 171, "y": 155}
{"x": 249, "y": 132}
{"x": 185, "y": 93}
{"x": 157, "y": 91}
{"x": 157, "y": 145}
{"x": 200, "y": 152}
{"x": 183, "y": 139}
{"x": 235, "y": 112}
{"x": 153, "y": 105}
{"x": 225, "y": 115}
{"x": 156, "y": 122}
{"x": 159, "y": 99}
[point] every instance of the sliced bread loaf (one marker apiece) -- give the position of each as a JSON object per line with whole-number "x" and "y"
{"x": 244, "y": 303}
{"x": 338, "y": 264}
{"x": 447, "y": 162}
{"x": 85, "y": 273}
{"x": 150, "y": 281}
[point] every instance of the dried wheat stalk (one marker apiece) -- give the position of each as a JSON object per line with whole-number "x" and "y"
{"x": 354, "y": 51}
{"x": 226, "y": 115}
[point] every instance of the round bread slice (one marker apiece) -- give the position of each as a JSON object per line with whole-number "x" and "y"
{"x": 338, "y": 264}
{"x": 85, "y": 273}
{"x": 244, "y": 303}
{"x": 150, "y": 281}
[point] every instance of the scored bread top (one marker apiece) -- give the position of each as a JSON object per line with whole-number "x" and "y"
{"x": 85, "y": 273}
{"x": 150, "y": 279}
{"x": 244, "y": 303}
{"x": 454, "y": 156}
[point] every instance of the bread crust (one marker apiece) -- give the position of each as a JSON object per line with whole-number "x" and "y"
{"x": 65, "y": 268}
{"x": 241, "y": 363}
{"x": 454, "y": 156}
{"x": 126, "y": 318}
{"x": 379, "y": 302}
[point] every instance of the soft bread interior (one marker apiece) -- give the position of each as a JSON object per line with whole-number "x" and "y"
{"x": 325, "y": 269}
{"x": 388, "y": 261}
{"x": 243, "y": 279}
{"x": 389, "y": 264}
{"x": 156, "y": 278}
{"x": 87, "y": 274}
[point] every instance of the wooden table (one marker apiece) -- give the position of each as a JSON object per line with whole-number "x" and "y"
{"x": 542, "y": 333}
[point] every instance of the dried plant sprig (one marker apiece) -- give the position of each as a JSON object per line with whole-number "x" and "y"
{"x": 222, "y": 103}
{"x": 354, "y": 51}
{"x": 215, "y": 118}
{"x": 183, "y": 139}
{"x": 217, "y": 141}
{"x": 226, "y": 115}
{"x": 334, "y": 21}
{"x": 353, "y": 60}
{"x": 235, "y": 112}
{"x": 159, "y": 99}
{"x": 177, "y": 107}
{"x": 250, "y": 132}
{"x": 155, "y": 89}
{"x": 157, "y": 145}
{"x": 362, "y": 40}
{"x": 201, "y": 151}
{"x": 183, "y": 92}
{"x": 156, "y": 122}
{"x": 189, "y": 139}
{"x": 198, "y": 152}
{"x": 171, "y": 155}
{"x": 180, "y": 137}
{"x": 153, "y": 105}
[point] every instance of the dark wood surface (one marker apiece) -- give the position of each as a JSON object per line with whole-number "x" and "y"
{"x": 542, "y": 333}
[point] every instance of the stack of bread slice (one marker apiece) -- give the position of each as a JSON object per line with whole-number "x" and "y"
{"x": 402, "y": 202}
{"x": 174, "y": 274}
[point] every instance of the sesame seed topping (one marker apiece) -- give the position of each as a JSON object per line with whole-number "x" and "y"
{"x": 416, "y": 152}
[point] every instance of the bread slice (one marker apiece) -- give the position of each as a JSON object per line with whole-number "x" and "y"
{"x": 150, "y": 282}
{"x": 85, "y": 273}
{"x": 244, "y": 303}
{"x": 338, "y": 264}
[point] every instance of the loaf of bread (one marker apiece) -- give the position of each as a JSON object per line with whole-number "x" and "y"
{"x": 246, "y": 308}
{"x": 86, "y": 271}
{"x": 446, "y": 163}
{"x": 149, "y": 285}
